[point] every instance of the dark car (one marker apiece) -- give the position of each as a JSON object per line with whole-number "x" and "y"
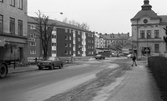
{"x": 99, "y": 56}
{"x": 50, "y": 63}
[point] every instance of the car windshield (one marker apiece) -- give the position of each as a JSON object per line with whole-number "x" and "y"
{"x": 51, "y": 58}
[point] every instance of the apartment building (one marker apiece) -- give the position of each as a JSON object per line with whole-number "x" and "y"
{"x": 148, "y": 32}
{"x": 13, "y": 25}
{"x": 119, "y": 38}
{"x": 67, "y": 40}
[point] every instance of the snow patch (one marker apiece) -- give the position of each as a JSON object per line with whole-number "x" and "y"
{"x": 112, "y": 66}
{"x": 104, "y": 93}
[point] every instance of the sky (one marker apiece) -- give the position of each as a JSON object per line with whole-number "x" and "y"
{"x": 103, "y": 16}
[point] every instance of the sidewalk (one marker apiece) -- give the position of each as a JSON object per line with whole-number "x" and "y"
{"x": 138, "y": 85}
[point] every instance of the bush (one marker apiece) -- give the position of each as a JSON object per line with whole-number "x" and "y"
{"x": 158, "y": 68}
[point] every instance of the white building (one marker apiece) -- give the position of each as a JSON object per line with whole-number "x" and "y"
{"x": 148, "y": 32}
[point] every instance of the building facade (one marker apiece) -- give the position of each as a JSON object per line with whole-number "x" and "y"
{"x": 13, "y": 25}
{"x": 67, "y": 40}
{"x": 116, "y": 39}
{"x": 148, "y": 32}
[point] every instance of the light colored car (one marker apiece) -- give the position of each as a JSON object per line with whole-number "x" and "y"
{"x": 50, "y": 63}
{"x": 129, "y": 56}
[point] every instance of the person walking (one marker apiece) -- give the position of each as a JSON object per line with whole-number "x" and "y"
{"x": 134, "y": 60}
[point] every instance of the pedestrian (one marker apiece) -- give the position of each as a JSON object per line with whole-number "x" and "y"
{"x": 134, "y": 60}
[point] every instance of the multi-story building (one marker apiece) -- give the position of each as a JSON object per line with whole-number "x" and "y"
{"x": 112, "y": 39}
{"x": 97, "y": 41}
{"x": 13, "y": 24}
{"x": 148, "y": 32}
{"x": 67, "y": 40}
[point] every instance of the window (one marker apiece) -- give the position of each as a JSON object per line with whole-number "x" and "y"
{"x": 156, "y": 48}
{"x": 70, "y": 52}
{"x": 53, "y": 44}
{"x": 1, "y": 0}
{"x": 69, "y": 30}
{"x": 156, "y": 34}
{"x": 53, "y": 36}
{"x": 32, "y": 43}
{"x": 69, "y": 45}
{"x": 20, "y": 27}
{"x": 66, "y": 37}
{"x": 142, "y": 34}
{"x": 32, "y": 26}
{"x": 66, "y": 30}
{"x": 32, "y": 35}
{"x": 79, "y": 33}
{"x": 79, "y": 39}
{"x": 32, "y": 51}
{"x": 148, "y": 33}
{"x": 20, "y": 4}
{"x": 1, "y": 23}
{"x": 70, "y": 38}
{"x": 66, "y": 45}
{"x": 12, "y": 25}
{"x": 66, "y": 52}
{"x": 12, "y": 3}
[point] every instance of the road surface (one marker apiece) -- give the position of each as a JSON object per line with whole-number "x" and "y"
{"x": 41, "y": 84}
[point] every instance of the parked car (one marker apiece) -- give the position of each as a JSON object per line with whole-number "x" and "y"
{"x": 50, "y": 63}
{"x": 129, "y": 56}
{"x": 99, "y": 56}
{"x": 115, "y": 55}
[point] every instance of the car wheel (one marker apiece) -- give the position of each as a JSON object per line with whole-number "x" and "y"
{"x": 61, "y": 66}
{"x": 51, "y": 67}
{"x": 39, "y": 67}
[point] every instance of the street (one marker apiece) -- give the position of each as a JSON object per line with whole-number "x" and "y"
{"x": 39, "y": 85}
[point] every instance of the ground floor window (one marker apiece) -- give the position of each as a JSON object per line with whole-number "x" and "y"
{"x": 156, "y": 46}
{"x": 32, "y": 51}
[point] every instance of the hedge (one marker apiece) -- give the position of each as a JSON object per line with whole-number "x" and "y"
{"x": 158, "y": 68}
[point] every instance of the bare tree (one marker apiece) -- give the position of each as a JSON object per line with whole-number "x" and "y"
{"x": 44, "y": 30}
{"x": 165, "y": 37}
{"x": 65, "y": 20}
{"x": 75, "y": 23}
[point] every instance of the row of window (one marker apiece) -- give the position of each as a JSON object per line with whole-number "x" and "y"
{"x": 79, "y": 32}
{"x": 13, "y": 3}
{"x": 66, "y": 52}
{"x": 90, "y": 41}
{"x": 148, "y": 34}
{"x": 12, "y": 25}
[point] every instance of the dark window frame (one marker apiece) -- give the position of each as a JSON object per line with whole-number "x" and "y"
{"x": 12, "y": 3}
{"x": 142, "y": 34}
{"x": 156, "y": 47}
{"x": 20, "y": 4}
{"x": 1, "y": 23}
{"x": 149, "y": 34}
{"x": 156, "y": 33}
{"x": 20, "y": 27}
{"x": 12, "y": 25}
{"x": 1, "y": 1}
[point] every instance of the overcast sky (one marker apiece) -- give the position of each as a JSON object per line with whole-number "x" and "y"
{"x": 103, "y": 16}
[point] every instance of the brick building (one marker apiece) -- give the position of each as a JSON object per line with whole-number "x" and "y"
{"x": 66, "y": 40}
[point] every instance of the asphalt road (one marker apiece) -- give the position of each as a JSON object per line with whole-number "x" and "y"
{"x": 26, "y": 86}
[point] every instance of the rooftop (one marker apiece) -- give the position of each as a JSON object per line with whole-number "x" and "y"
{"x": 57, "y": 23}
